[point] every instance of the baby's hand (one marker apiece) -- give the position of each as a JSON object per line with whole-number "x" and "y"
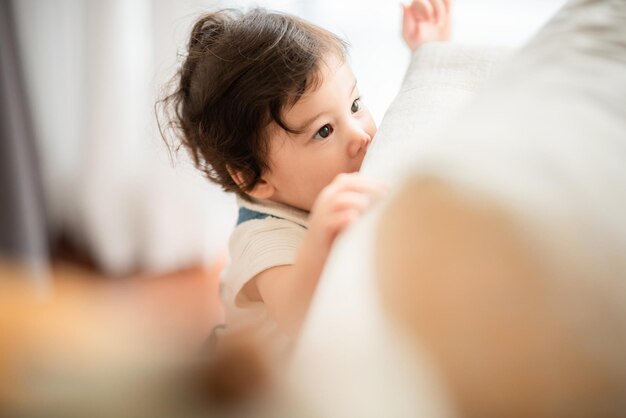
{"x": 339, "y": 204}
{"x": 425, "y": 21}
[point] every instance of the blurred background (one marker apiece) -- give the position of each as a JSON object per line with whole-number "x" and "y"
{"x": 85, "y": 76}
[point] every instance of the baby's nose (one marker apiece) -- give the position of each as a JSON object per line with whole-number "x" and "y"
{"x": 359, "y": 142}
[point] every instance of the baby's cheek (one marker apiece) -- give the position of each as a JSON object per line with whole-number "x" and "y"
{"x": 373, "y": 127}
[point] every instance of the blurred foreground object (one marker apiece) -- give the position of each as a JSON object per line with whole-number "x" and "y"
{"x": 503, "y": 257}
{"x": 512, "y": 333}
{"x": 98, "y": 349}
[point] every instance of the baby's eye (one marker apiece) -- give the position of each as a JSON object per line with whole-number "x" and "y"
{"x": 356, "y": 105}
{"x": 324, "y": 132}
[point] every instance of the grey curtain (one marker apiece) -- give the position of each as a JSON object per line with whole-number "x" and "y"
{"x": 23, "y": 232}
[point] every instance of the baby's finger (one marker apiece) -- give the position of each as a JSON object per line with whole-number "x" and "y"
{"x": 356, "y": 183}
{"x": 352, "y": 200}
{"x": 341, "y": 220}
{"x": 408, "y": 22}
{"x": 440, "y": 10}
{"x": 422, "y": 9}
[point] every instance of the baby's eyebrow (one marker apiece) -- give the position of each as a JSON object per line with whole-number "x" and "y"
{"x": 353, "y": 87}
{"x": 304, "y": 126}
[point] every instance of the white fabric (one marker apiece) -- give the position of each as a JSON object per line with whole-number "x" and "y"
{"x": 255, "y": 246}
{"x": 547, "y": 138}
{"x": 441, "y": 78}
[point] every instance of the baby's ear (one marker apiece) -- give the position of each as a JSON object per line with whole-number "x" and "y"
{"x": 237, "y": 176}
{"x": 262, "y": 190}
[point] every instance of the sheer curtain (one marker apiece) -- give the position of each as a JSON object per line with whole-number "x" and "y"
{"x": 23, "y": 230}
{"x": 94, "y": 70}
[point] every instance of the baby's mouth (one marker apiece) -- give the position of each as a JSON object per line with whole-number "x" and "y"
{"x": 362, "y": 159}
{"x": 367, "y": 146}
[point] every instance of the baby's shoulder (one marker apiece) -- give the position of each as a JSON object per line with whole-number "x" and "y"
{"x": 264, "y": 227}
{"x": 261, "y": 243}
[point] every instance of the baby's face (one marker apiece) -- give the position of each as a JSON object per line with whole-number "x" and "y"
{"x": 336, "y": 129}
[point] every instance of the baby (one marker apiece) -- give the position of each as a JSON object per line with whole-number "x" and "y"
{"x": 268, "y": 107}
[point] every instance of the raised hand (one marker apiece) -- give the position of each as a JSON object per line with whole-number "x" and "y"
{"x": 339, "y": 204}
{"x": 425, "y": 21}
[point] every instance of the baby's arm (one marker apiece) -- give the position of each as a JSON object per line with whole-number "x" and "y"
{"x": 287, "y": 290}
{"x": 425, "y": 21}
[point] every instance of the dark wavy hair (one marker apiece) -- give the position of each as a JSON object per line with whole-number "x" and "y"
{"x": 241, "y": 72}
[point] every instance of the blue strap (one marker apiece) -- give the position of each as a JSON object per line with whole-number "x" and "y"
{"x": 246, "y": 214}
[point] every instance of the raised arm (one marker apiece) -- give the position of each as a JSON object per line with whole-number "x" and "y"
{"x": 287, "y": 290}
